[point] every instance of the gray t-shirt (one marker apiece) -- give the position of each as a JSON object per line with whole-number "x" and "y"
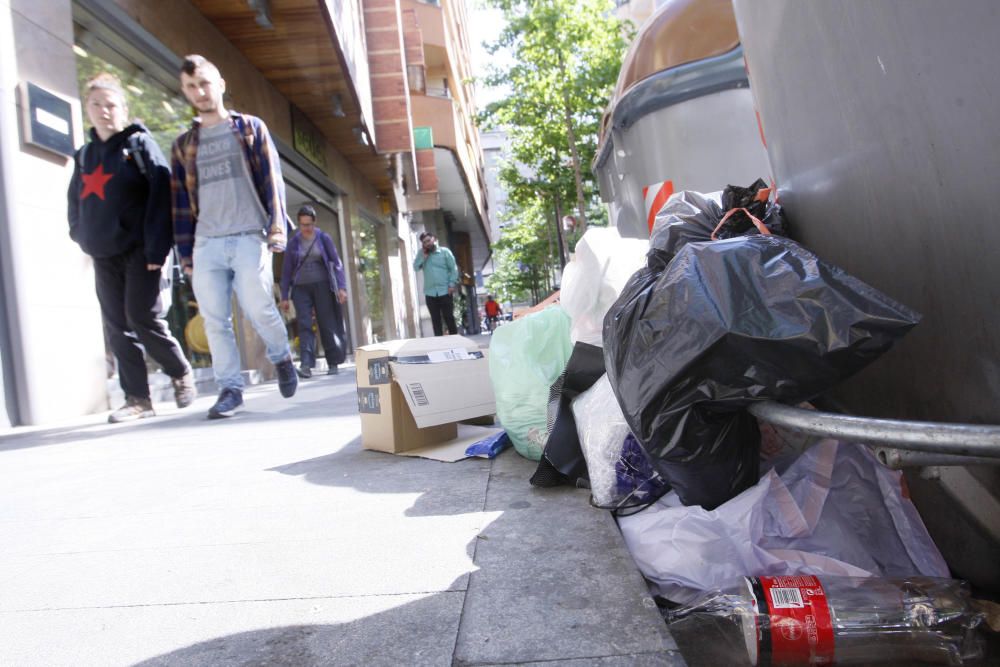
{"x": 227, "y": 201}
{"x": 312, "y": 269}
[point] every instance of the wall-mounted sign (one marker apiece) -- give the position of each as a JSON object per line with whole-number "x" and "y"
{"x": 47, "y": 119}
{"x": 307, "y": 140}
{"x": 423, "y": 137}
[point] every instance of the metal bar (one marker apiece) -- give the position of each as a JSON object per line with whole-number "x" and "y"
{"x": 897, "y": 459}
{"x": 941, "y": 438}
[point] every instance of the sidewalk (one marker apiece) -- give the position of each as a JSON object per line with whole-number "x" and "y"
{"x": 274, "y": 539}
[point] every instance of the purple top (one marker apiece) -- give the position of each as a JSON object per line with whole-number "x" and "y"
{"x": 293, "y": 257}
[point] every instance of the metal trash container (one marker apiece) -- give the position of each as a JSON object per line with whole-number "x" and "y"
{"x": 880, "y": 120}
{"x": 681, "y": 117}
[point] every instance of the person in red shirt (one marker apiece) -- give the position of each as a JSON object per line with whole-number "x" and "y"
{"x": 493, "y": 312}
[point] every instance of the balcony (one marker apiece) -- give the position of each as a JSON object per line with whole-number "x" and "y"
{"x": 430, "y": 20}
{"x": 437, "y": 113}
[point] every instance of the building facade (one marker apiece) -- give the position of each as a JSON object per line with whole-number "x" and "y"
{"x": 425, "y": 114}
{"x": 309, "y": 71}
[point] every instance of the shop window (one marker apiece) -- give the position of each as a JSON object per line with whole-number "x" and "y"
{"x": 161, "y": 109}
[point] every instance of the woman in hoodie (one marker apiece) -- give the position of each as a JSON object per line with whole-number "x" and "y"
{"x": 119, "y": 213}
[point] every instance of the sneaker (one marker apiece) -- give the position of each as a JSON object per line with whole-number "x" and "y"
{"x": 184, "y": 391}
{"x": 304, "y": 373}
{"x": 288, "y": 380}
{"x": 134, "y": 408}
{"x": 333, "y": 370}
{"x": 229, "y": 403}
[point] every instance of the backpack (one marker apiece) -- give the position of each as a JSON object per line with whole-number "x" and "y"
{"x": 132, "y": 150}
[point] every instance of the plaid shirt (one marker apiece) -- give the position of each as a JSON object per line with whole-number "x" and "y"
{"x": 265, "y": 171}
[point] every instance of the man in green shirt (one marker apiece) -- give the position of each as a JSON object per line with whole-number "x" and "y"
{"x": 440, "y": 279}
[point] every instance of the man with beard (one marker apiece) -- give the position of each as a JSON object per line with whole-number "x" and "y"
{"x": 229, "y": 216}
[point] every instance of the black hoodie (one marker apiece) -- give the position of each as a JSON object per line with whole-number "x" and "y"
{"x": 113, "y": 207}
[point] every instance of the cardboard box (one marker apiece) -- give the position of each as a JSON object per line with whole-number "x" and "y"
{"x": 412, "y": 392}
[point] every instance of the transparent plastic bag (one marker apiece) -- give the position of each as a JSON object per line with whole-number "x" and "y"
{"x": 835, "y": 511}
{"x": 526, "y": 357}
{"x": 810, "y": 620}
{"x": 602, "y": 429}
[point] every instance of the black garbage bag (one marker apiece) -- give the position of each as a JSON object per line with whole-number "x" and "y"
{"x": 688, "y": 346}
{"x": 690, "y": 217}
{"x": 745, "y": 205}
{"x": 687, "y": 218}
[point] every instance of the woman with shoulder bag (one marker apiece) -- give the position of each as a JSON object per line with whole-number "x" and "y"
{"x": 313, "y": 278}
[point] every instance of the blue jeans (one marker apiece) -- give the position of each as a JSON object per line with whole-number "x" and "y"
{"x": 241, "y": 262}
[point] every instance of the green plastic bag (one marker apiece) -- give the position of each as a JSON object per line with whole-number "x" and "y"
{"x": 526, "y": 357}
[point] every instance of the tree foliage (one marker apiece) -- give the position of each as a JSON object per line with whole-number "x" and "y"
{"x": 162, "y": 111}
{"x": 565, "y": 56}
{"x": 523, "y": 256}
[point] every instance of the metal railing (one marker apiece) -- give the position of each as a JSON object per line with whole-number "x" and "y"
{"x": 897, "y": 443}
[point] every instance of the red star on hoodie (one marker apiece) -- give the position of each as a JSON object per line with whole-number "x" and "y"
{"x": 94, "y": 182}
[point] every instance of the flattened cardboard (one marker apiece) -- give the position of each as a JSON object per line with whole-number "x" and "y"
{"x": 453, "y": 450}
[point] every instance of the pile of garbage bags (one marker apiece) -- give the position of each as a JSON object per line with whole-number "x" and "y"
{"x": 649, "y": 411}
{"x": 725, "y": 312}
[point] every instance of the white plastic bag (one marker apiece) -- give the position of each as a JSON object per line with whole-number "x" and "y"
{"x": 601, "y": 428}
{"x": 602, "y": 264}
{"x": 834, "y": 511}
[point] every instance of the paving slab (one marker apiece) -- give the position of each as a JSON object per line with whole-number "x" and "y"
{"x": 555, "y": 582}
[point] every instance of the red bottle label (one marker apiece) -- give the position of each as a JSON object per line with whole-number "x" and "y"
{"x": 794, "y": 625}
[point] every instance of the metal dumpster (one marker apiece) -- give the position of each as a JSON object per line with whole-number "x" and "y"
{"x": 880, "y": 119}
{"x": 681, "y": 117}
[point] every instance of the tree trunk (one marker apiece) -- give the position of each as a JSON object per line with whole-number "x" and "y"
{"x": 559, "y": 236}
{"x": 575, "y": 156}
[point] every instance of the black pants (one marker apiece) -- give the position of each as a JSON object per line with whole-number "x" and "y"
{"x": 442, "y": 306}
{"x": 329, "y": 320}
{"x": 130, "y": 304}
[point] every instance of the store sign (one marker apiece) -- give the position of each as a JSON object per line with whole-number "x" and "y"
{"x": 307, "y": 140}
{"x": 47, "y": 119}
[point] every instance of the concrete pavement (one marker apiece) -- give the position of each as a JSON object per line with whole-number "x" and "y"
{"x": 274, "y": 539}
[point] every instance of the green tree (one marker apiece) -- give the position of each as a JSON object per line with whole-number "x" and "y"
{"x": 565, "y": 57}
{"x": 523, "y": 256}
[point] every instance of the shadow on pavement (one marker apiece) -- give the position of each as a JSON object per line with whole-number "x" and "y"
{"x": 444, "y": 488}
{"x": 412, "y": 634}
{"x": 417, "y": 632}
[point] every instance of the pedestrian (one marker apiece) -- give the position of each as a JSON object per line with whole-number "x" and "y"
{"x": 313, "y": 277}
{"x": 229, "y": 216}
{"x": 119, "y": 214}
{"x": 493, "y": 312}
{"x": 440, "y": 279}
